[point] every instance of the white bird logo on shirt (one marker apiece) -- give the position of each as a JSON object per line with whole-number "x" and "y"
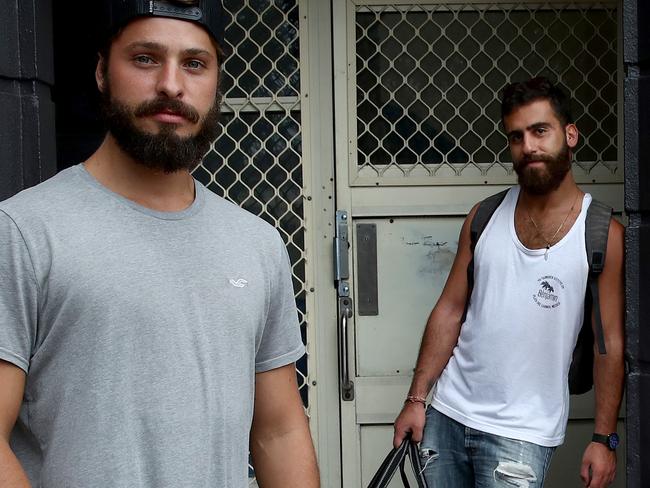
{"x": 240, "y": 283}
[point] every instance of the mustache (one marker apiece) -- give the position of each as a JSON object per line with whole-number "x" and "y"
{"x": 528, "y": 158}
{"x": 152, "y": 107}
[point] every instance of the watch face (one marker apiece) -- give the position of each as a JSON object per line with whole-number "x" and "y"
{"x": 613, "y": 440}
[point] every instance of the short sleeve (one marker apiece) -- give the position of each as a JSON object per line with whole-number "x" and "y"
{"x": 281, "y": 342}
{"x": 18, "y": 296}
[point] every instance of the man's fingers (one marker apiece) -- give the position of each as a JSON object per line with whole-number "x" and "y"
{"x": 416, "y": 434}
{"x": 601, "y": 476}
{"x": 584, "y": 474}
{"x": 410, "y": 421}
{"x": 398, "y": 437}
{"x": 598, "y": 479}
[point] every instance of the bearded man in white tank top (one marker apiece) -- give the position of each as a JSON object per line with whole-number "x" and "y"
{"x": 500, "y": 401}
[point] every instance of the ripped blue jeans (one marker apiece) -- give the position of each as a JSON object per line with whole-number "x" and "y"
{"x": 453, "y": 455}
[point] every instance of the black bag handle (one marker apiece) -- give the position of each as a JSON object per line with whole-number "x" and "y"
{"x": 396, "y": 459}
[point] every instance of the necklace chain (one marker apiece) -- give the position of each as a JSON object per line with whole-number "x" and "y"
{"x": 539, "y": 232}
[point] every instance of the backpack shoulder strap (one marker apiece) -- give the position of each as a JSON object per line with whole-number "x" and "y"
{"x": 596, "y": 232}
{"x": 481, "y": 218}
{"x": 483, "y": 215}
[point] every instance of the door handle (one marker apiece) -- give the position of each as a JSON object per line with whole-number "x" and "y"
{"x": 347, "y": 386}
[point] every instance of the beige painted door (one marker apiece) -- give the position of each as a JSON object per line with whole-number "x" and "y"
{"x": 418, "y": 142}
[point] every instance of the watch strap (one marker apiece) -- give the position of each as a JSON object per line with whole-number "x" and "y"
{"x": 609, "y": 440}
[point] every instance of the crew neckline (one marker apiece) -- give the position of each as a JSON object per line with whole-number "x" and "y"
{"x": 195, "y": 206}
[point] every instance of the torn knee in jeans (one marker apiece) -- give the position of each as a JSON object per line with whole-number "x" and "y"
{"x": 427, "y": 455}
{"x": 515, "y": 474}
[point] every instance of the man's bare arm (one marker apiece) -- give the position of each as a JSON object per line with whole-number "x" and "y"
{"x": 439, "y": 338}
{"x": 281, "y": 445}
{"x": 12, "y": 385}
{"x": 599, "y": 463}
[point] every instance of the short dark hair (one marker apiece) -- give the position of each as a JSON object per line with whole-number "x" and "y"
{"x": 539, "y": 88}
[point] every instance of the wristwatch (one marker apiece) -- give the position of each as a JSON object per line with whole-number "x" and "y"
{"x": 610, "y": 440}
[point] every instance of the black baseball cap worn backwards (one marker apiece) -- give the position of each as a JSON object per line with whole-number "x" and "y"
{"x": 207, "y": 13}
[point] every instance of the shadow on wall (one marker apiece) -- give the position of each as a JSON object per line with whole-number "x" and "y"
{"x": 79, "y": 130}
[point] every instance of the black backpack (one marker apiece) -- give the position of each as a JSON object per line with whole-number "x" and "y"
{"x": 596, "y": 232}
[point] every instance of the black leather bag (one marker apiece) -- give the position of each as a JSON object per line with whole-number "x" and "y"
{"x": 396, "y": 459}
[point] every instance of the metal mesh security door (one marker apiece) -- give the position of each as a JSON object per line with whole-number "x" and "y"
{"x": 256, "y": 162}
{"x": 428, "y": 82}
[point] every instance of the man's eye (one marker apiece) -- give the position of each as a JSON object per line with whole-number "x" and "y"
{"x": 541, "y": 130}
{"x": 194, "y": 64}
{"x": 142, "y": 59}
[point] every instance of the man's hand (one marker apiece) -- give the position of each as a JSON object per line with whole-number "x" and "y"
{"x": 598, "y": 466}
{"x": 411, "y": 419}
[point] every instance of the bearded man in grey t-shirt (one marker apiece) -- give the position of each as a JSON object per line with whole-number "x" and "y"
{"x": 148, "y": 328}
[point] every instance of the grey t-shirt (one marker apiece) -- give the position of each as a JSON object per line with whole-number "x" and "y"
{"x": 140, "y": 332}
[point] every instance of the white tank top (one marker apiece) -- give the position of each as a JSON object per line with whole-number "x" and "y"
{"x": 508, "y": 373}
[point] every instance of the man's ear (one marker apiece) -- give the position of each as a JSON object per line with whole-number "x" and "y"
{"x": 100, "y": 69}
{"x": 572, "y": 135}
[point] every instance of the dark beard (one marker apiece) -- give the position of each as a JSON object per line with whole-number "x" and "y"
{"x": 165, "y": 150}
{"x": 539, "y": 182}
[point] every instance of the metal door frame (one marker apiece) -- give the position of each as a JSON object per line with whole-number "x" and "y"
{"x": 318, "y": 175}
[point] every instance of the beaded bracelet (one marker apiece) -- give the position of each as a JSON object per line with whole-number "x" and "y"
{"x": 415, "y": 399}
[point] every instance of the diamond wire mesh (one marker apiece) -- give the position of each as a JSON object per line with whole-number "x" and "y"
{"x": 429, "y": 78}
{"x": 256, "y": 161}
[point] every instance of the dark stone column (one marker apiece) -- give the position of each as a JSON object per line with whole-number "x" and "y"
{"x": 27, "y": 133}
{"x": 636, "y": 18}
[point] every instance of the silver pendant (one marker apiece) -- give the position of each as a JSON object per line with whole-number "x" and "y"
{"x": 546, "y": 253}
